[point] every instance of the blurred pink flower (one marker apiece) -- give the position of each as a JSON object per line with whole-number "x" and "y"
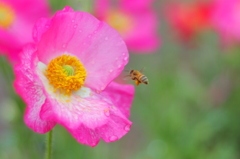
{"x": 17, "y": 18}
{"x": 226, "y": 18}
{"x": 189, "y": 19}
{"x": 66, "y": 78}
{"x": 135, "y": 20}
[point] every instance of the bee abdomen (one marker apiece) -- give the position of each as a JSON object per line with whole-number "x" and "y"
{"x": 144, "y": 79}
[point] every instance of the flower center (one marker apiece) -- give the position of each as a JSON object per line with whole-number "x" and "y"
{"x": 6, "y": 15}
{"x": 66, "y": 74}
{"x": 119, "y": 21}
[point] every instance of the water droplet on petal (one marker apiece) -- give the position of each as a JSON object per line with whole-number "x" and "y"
{"x": 125, "y": 58}
{"x": 127, "y": 127}
{"x": 75, "y": 26}
{"x": 124, "y": 54}
{"x": 106, "y": 38}
{"x": 110, "y": 71}
{"x": 98, "y": 91}
{"x": 80, "y": 31}
{"x": 113, "y": 138}
{"x": 73, "y": 20}
{"x": 119, "y": 66}
{"x": 64, "y": 45}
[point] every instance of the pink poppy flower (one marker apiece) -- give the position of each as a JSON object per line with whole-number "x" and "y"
{"x": 135, "y": 20}
{"x": 189, "y": 19}
{"x": 66, "y": 76}
{"x": 226, "y": 18}
{"x": 17, "y": 18}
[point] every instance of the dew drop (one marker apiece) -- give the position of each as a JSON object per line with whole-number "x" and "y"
{"x": 106, "y": 38}
{"x": 73, "y": 20}
{"x": 124, "y": 54}
{"x": 127, "y": 127}
{"x": 125, "y": 58}
{"x": 89, "y": 36}
{"x": 110, "y": 71}
{"x": 113, "y": 138}
{"x": 119, "y": 66}
{"x": 98, "y": 91}
{"x": 75, "y": 26}
{"x": 64, "y": 45}
{"x": 80, "y": 31}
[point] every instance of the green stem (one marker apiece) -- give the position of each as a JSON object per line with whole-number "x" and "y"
{"x": 49, "y": 145}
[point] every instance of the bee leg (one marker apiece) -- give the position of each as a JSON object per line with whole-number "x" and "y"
{"x": 137, "y": 82}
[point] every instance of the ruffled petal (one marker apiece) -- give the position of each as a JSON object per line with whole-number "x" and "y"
{"x": 98, "y": 46}
{"x": 30, "y": 89}
{"x": 93, "y": 116}
{"x": 116, "y": 127}
{"x": 73, "y": 112}
{"x": 121, "y": 95}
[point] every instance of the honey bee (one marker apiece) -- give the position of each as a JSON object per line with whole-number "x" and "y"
{"x": 138, "y": 77}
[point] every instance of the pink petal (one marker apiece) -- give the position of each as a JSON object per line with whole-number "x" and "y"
{"x": 85, "y": 135}
{"x": 30, "y": 9}
{"x": 26, "y": 12}
{"x": 30, "y": 89}
{"x": 101, "y": 8}
{"x": 143, "y": 38}
{"x": 94, "y": 42}
{"x": 40, "y": 27}
{"x": 99, "y": 116}
{"x": 133, "y": 5}
{"x": 225, "y": 17}
{"x": 116, "y": 127}
{"x": 90, "y": 112}
{"x": 121, "y": 95}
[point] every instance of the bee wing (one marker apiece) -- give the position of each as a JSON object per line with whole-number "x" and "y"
{"x": 127, "y": 70}
{"x": 142, "y": 70}
{"x": 126, "y": 77}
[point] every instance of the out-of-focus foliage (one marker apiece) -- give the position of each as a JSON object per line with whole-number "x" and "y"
{"x": 190, "y": 109}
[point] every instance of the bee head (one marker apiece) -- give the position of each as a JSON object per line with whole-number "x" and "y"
{"x": 131, "y": 71}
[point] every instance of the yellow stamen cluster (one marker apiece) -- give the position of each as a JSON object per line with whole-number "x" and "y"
{"x": 6, "y": 15}
{"x": 66, "y": 74}
{"x": 119, "y": 21}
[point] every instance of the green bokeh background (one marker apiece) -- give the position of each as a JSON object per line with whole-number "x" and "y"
{"x": 190, "y": 109}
